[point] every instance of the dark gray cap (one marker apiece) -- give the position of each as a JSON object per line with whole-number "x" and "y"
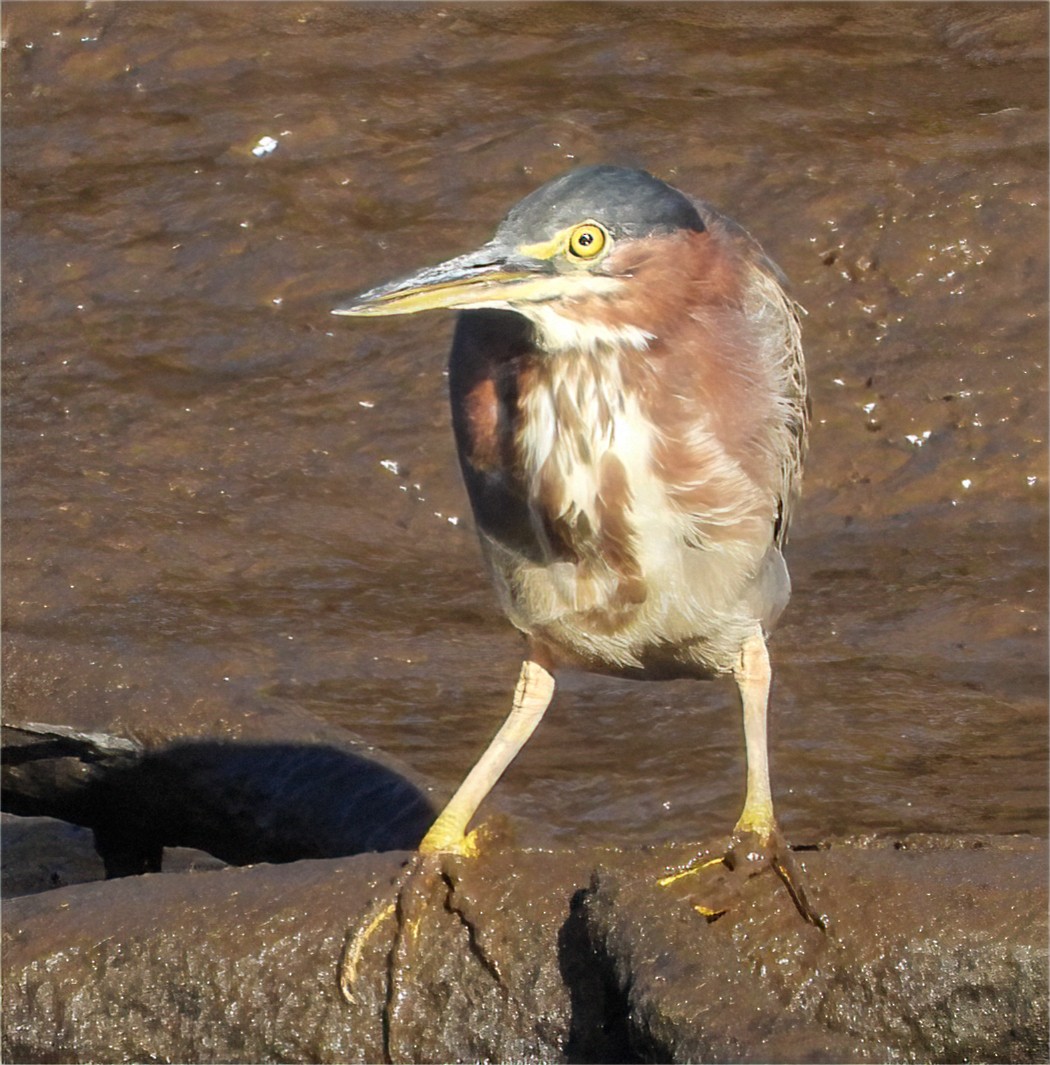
{"x": 629, "y": 203}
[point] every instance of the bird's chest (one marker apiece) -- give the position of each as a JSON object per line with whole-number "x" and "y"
{"x": 572, "y": 429}
{"x": 557, "y": 452}
{"x": 584, "y": 449}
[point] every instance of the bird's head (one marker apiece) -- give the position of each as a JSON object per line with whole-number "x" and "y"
{"x": 563, "y": 257}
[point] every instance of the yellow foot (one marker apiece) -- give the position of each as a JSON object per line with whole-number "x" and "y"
{"x": 494, "y": 831}
{"x": 399, "y": 913}
{"x": 720, "y": 878}
{"x": 712, "y": 910}
{"x": 425, "y": 875}
{"x": 468, "y": 846}
{"x": 388, "y": 905}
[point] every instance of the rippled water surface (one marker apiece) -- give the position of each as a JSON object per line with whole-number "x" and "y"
{"x": 211, "y": 485}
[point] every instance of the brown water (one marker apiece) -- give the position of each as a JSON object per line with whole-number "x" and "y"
{"x": 211, "y": 484}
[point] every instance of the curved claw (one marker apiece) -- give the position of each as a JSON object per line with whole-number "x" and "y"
{"x": 354, "y": 947}
{"x": 389, "y": 904}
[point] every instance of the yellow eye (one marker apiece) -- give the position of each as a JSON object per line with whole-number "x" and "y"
{"x": 587, "y": 241}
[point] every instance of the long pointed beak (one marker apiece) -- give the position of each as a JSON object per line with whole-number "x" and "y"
{"x": 492, "y": 276}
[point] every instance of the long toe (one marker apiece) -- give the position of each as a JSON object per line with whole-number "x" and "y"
{"x": 707, "y": 882}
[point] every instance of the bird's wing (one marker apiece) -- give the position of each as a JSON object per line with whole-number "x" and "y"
{"x": 768, "y": 290}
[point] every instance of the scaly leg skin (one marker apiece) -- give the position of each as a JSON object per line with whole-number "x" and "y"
{"x": 448, "y": 834}
{"x": 756, "y": 841}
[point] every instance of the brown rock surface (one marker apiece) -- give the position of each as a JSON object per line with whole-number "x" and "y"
{"x": 936, "y": 950}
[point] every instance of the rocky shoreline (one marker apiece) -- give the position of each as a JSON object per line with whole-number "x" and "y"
{"x": 936, "y": 950}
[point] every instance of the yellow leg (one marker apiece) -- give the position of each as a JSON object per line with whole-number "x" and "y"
{"x": 752, "y": 675}
{"x": 756, "y": 841}
{"x": 531, "y": 699}
{"x": 756, "y": 821}
{"x": 448, "y": 833}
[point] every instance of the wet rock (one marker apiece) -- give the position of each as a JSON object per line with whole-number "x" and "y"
{"x": 935, "y": 952}
{"x": 242, "y": 965}
{"x": 43, "y": 853}
{"x": 237, "y": 965}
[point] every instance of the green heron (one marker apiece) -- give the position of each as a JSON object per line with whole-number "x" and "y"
{"x": 629, "y": 404}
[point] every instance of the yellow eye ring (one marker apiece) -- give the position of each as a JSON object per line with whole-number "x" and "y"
{"x": 587, "y": 241}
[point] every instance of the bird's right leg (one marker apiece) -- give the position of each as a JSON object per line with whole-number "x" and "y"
{"x": 757, "y": 839}
{"x": 532, "y": 696}
{"x": 448, "y": 834}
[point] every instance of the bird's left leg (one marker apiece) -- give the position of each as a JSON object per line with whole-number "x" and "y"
{"x": 756, "y": 839}
{"x": 752, "y": 674}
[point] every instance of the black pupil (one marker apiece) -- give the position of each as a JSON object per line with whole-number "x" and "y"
{"x": 586, "y": 240}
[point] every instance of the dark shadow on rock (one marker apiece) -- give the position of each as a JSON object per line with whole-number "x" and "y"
{"x": 598, "y": 1029}
{"x": 43, "y": 853}
{"x": 243, "y": 802}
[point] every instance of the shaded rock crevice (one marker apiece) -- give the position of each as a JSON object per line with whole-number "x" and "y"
{"x": 598, "y": 1027}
